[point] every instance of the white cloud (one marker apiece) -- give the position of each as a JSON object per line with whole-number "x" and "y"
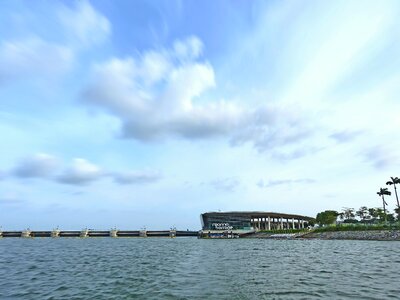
{"x": 80, "y": 173}
{"x": 345, "y": 136}
{"x": 191, "y": 48}
{"x": 33, "y": 57}
{"x": 381, "y": 157}
{"x": 154, "y": 67}
{"x": 84, "y": 24}
{"x": 225, "y": 184}
{"x": 172, "y": 102}
{"x": 136, "y": 177}
{"x": 40, "y": 165}
{"x": 272, "y": 127}
{"x": 286, "y": 182}
{"x": 165, "y": 104}
{"x": 10, "y": 199}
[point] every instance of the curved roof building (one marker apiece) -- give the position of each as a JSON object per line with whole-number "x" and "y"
{"x": 252, "y": 220}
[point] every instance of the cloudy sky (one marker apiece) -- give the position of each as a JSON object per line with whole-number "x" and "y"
{"x": 148, "y": 113}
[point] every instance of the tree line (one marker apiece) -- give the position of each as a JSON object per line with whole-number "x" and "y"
{"x": 364, "y": 214}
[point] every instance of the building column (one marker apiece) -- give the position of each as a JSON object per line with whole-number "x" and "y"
{"x": 302, "y": 224}
{"x": 281, "y": 223}
{"x": 269, "y": 223}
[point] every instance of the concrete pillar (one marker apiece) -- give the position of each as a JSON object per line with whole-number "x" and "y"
{"x": 55, "y": 233}
{"x": 281, "y": 223}
{"x": 293, "y": 227}
{"x": 172, "y": 233}
{"x": 269, "y": 223}
{"x": 143, "y": 233}
{"x": 84, "y": 233}
{"x": 259, "y": 224}
{"x": 113, "y": 233}
{"x": 302, "y": 224}
{"x": 26, "y": 233}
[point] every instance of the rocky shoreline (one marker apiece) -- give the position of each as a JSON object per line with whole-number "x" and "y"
{"x": 368, "y": 235}
{"x": 373, "y": 235}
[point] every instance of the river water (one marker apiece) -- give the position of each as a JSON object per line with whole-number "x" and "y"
{"x": 188, "y": 268}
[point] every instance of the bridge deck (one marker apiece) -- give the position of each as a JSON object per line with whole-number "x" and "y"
{"x": 101, "y": 233}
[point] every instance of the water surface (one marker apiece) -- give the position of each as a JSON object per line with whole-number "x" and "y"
{"x": 188, "y": 268}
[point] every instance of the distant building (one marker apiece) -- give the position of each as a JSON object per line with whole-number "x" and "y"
{"x": 252, "y": 220}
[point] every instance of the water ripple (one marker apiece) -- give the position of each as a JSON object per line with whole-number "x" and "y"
{"x": 187, "y": 268}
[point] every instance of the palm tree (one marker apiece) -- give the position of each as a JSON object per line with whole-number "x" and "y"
{"x": 348, "y": 213}
{"x": 362, "y": 213}
{"x": 380, "y": 213}
{"x": 382, "y": 192}
{"x": 373, "y": 213}
{"x": 394, "y": 181}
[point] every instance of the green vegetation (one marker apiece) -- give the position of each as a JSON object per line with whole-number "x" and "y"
{"x": 327, "y": 217}
{"x": 359, "y": 227}
{"x": 364, "y": 218}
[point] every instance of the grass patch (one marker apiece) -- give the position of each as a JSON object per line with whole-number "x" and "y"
{"x": 359, "y": 227}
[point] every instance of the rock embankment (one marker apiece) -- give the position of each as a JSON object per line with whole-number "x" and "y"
{"x": 269, "y": 235}
{"x": 377, "y": 235}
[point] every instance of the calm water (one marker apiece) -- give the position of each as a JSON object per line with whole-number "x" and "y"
{"x": 188, "y": 268}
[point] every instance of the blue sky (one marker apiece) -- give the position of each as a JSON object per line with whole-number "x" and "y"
{"x": 148, "y": 113}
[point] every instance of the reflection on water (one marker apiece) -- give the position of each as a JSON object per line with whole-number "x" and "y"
{"x": 188, "y": 268}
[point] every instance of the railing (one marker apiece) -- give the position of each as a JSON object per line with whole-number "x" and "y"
{"x": 86, "y": 233}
